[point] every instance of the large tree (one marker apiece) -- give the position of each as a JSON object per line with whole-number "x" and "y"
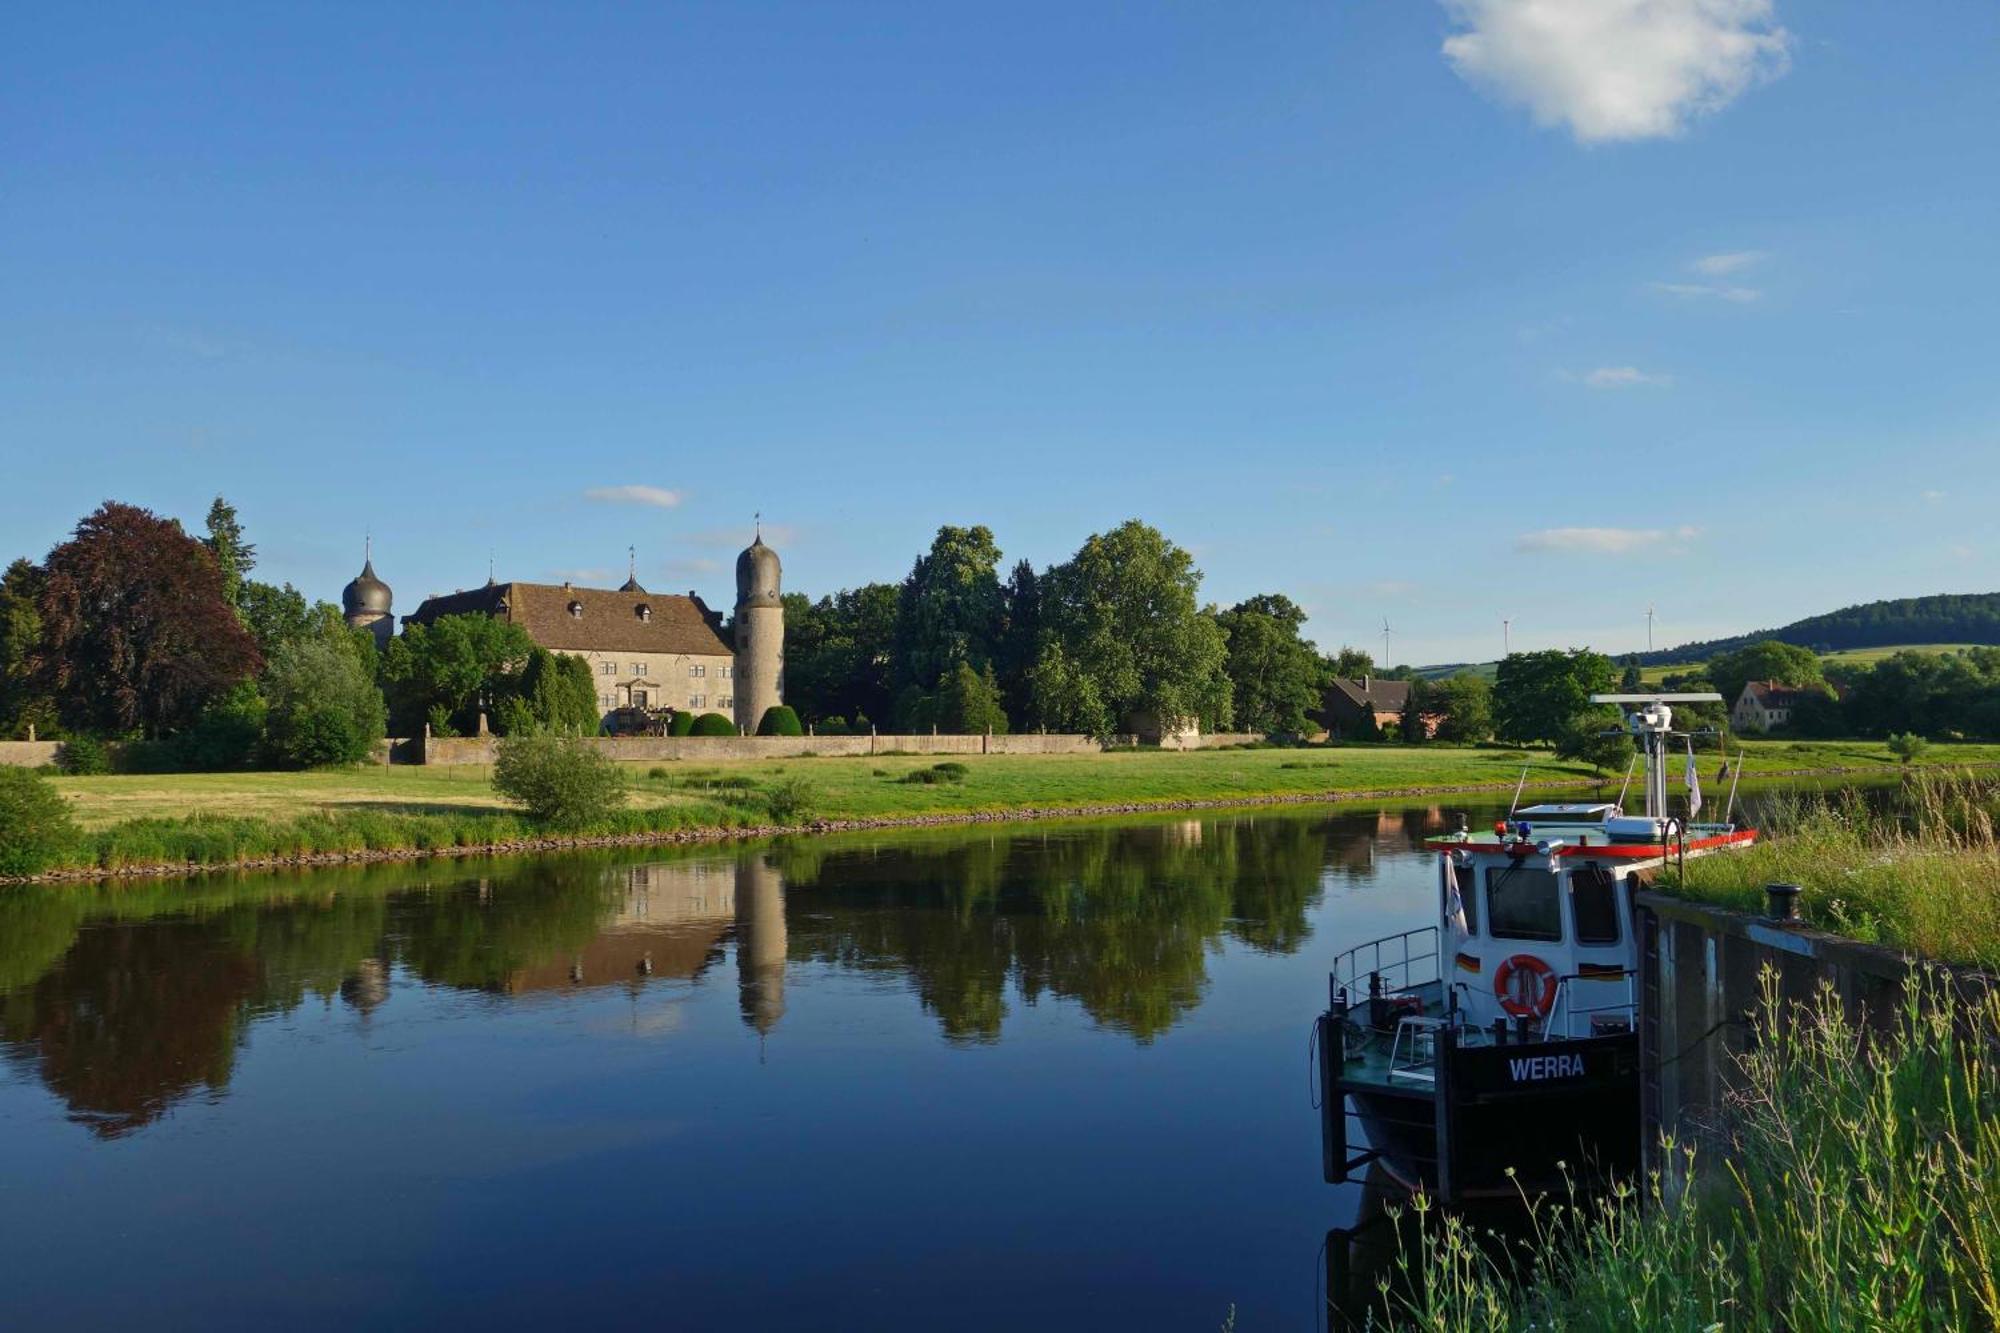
{"x": 22, "y": 703}
{"x": 324, "y": 706}
{"x": 1537, "y": 695}
{"x": 137, "y": 634}
{"x": 1781, "y": 663}
{"x": 277, "y": 615}
{"x": 233, "y": 556}
{"x": 949, "y": 609}
{"x": 838, "y": 654}
{"x": 1124, "y": 642}
{"x": 442, "y": 674}
{"x": 1274, "y": 673}
{"x": 1020, "y": 635}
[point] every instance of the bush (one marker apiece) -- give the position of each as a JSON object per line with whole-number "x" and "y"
{"x": 561, "y": 780}
{"x": 83, "y": 756}
{"x": 35, "y": 827}
{"x": 793, "y": 801}
{"x": 324, "y": 706}
{"x": 833, "y": 726}
{"x": 780, "y": 720}
{"x": 936, "y": 774}
{"x": 682, "y": 725}
{"x": 1909, "y": 746}
{"x": 713, "y": 724}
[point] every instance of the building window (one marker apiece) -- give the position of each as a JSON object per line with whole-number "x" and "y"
{"x": 725, "y": 702}
{"x": 576, "y": 610}
{"x": 698, "y": 670}
{"x": 604, "y": 701}
{"x": 607, "y": 668}
{"x": 638, "y": 668}
{"x": 728, "y": 672}
{"x": 645, "y": 613}
{"x": 640, "y": 699}
{"x": 697, "y": 701}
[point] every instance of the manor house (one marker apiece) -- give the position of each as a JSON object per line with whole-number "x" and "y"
{"x": 646, "y": 650}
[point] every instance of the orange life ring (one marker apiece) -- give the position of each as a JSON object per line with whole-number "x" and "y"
{"x": 1513, "y": 998}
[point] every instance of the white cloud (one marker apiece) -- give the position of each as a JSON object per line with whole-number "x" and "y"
{"x": 1616, "y": 69}
{"x": 1716, "y": 266}
{"x": 1604, "y": 541}
{"x": 1933, "y": 496}
{"x": 1624, "y": 377}
{"x": 1709, "y": 290}
{"x": 657, "y": 496}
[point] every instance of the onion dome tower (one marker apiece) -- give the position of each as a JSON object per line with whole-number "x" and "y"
{"x": 760, "y": 943}
{"x": 366, "y": 602}
{"x": 760, "y": 634}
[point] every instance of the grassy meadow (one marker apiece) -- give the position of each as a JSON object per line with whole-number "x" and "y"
{"x": 223, "y": 818}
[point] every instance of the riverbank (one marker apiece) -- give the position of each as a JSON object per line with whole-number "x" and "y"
{"x": 184, "y": 823}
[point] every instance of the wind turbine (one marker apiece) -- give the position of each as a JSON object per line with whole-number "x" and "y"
{"x": 1388, "y": 658}
{"x": 1649, "y": 627}
{"x": 1506, "y": 637}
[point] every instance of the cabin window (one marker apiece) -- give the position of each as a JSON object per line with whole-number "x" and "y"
{"x": 1468, "y": 894}
{"x": 1593, "y": 901}
{"x": 1522, "y": 904}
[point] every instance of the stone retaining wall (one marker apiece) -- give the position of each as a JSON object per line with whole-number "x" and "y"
{"x": 28, "y": 754}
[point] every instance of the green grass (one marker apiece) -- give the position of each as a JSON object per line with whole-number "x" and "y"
{"x": 1920, "y": 872}
{"x": 218, "y": 818}
{"x": 1859, "y": 1188}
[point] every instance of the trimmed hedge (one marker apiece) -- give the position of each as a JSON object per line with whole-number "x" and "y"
{"x": 780, "y": 720}
{"x": 682, "y": 725}
{"x": 713, "y": 724}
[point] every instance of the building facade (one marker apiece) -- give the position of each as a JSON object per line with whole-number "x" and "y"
{"x": 1765, "y": 705}
{"x": 645, "y": 650}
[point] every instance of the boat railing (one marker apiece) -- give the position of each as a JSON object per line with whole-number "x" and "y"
{"x": 1401, "y": 961}
{"x": 1564, "y": 1009}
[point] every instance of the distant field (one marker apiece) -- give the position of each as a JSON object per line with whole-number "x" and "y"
{"x": 1653, "y": 675}
{"x": 865, "y": 788}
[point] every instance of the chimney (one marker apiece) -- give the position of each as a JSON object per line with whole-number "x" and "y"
{"x": 1366, "y": 684}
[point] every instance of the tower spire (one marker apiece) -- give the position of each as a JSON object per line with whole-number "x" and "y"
{"x": 758, "y": 519}
{"x": 632, "y": 564}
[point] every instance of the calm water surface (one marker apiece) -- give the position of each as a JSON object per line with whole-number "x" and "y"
{"x": 1049, "y": 1076}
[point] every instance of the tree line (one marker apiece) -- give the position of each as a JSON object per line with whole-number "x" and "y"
{"x": 1970, "y": 618}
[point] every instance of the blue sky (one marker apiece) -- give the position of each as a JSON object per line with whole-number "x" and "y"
{"x": 1442, "y": 312}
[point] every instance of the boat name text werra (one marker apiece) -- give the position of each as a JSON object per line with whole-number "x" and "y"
{"x": 1540, "y": 1068}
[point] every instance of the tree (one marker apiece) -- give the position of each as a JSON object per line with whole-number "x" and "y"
{"x": 838, "y": 652}
{"x": 1596, "y": 736}
{"x": 1536, "y": 694}
{"x": 323, "y": 704}
{"x": 1020, "y": 637}
{"x": 276, "y": 615}
{"x": 233, "y": 556}
{"x": 1631, "y": 678}
{"x": 35, "y": 824}
{"x": 443, "y": 673}
{"x": 1465, "y": 708}
{"x": 1123, "y": 612}
{"x": 779, "y": 720}
{"x": 1350, "y": 664}
{"x": 22, "y": 703}
{"x": 949, "y": 609}
{"x": 1274, "y": 673}
{"x": 968, "y": 702}
{"x": 1065, "y": 698}
{"x": 1781, "y": 663}
{"x": 554, "y": 692}
{"x": 136, "y": 632}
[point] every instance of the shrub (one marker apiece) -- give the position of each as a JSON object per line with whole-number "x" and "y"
{"x": 952, "y": 769}
{"x": 793, "y": 801}
{"x": 1908, "y": 746}
{"x": 657, "y": 772}
{"x": 713, "y": 724}
{"x": 324, "y": 705}
{"x": 833, "y": 726}
{"x": 561, "y": 780}
{"x": 936, "y": 774}
{"x": 682, "y": 725}
{"x": 35, "y": 827}
{"x": 780, "y": 720}
{"x": 83, "y": 756}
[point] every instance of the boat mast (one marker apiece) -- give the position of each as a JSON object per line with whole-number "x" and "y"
{"x": 1649, "y": 718}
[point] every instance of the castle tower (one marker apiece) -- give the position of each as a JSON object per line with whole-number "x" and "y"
{"x": 366, "y": 601}
{"x": 760, "y": 635}
{"x": 760, "y": 943}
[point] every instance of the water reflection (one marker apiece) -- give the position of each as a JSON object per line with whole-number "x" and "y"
{"x": 125, "y": 1002}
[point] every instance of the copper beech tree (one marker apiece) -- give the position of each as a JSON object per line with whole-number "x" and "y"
{"x": 137, "y": 631}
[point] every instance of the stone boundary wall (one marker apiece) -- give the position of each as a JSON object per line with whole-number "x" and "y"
{"x": 1699, "y": 980}
{"x": 480, "y": 749}
{"x": 28, "y": 754}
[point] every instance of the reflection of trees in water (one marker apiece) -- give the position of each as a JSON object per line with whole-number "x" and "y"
{"x": 126, "y": 1001}
{"x": 1118, "y": 919}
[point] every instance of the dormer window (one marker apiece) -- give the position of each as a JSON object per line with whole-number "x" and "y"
{"x": 576, "y": 610}
{"x": 645, "y": 612}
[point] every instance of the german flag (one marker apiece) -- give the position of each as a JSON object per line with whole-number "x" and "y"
{"x": 1599, "y": 970}
{"x": 1467, "y": 963}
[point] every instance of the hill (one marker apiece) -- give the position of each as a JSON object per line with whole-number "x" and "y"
{"x": 1947, "y": 618}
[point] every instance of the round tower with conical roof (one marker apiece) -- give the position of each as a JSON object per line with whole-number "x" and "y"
{"x": 366, "y": 602}
{"x": 760, "y": 635}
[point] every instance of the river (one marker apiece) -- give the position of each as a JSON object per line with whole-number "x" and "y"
{"x": 1047, "y": 1075}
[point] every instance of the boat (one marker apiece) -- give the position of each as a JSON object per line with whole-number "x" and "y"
{"x": 1496, "y": 1053}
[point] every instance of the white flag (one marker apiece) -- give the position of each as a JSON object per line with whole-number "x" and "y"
{"x": 1694, "y": 784}
{"x": 1454, "y": 905}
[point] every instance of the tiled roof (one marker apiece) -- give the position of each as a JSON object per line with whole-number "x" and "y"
{"x": 607, "y": 621}
{"x": 1773, "y": 695}
{"x": 1384, "y": 696}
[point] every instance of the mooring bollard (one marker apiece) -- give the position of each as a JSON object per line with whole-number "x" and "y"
{"x": 1784, "y": 900}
